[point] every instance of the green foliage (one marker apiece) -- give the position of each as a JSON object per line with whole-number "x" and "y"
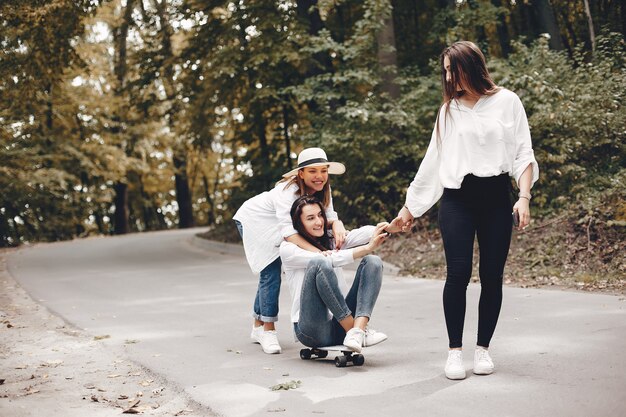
{"x": 577, "y": 115}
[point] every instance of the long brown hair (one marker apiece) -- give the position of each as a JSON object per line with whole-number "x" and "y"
{"x": 469, "y": 69}
{"x": 322, "y": 243}
{"x": 323, "y": 196}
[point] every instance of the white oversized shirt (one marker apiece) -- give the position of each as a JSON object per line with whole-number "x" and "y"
{"x": 266, "y": 222}
{"x": 295, "y": 260}
{"x": 490, "y": 139}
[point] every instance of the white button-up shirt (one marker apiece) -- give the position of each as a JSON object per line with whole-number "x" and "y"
{"x": 295, "y": 260}
{"x": 266, "y": 222}
{"x": 487, "y": 140}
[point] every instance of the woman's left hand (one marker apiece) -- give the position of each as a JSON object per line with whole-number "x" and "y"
{"x": 339, "y": 232}
{"x": 523, "y": 209}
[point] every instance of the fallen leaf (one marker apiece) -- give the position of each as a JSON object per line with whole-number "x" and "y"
{"x": 2, "y": 381}
{"x": 122, "y": 397}
{"x": 286, "y": 385}
{"x": 94, "y": 399}
{"x": 146, "y": 383}
{"x": 52, "y": 364}
{"x": 157, "y": 391}
{"x": 131, "y": 341}
{"x": 21, "y": 367}
{"x": 104, "y": 336}
{"x": 89, "y": 386}
{"x": 276, "y": 410}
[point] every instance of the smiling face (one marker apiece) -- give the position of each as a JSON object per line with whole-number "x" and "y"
{"x": 314, "y": 177}
{"x": 313, "y": 220}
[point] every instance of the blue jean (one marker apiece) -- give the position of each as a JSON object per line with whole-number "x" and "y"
{"x": 320, "y": 293}
{"x": 266, "y": 301}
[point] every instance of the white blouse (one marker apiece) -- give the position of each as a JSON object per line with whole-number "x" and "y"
{"x": 295, "y": 260}
{"x": 266, "y": 222}
{"x": 487, "y": 140}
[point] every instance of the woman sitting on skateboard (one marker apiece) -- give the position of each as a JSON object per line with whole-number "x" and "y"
{"x": 324, "y": 310}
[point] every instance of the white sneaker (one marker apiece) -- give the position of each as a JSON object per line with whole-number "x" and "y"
{"x": 483, "y": 365}
{"x": 354, "y": 339}
{"x": 372, "y": 337}
{"x": 454, "y": 365}
{"x": 256, "y": 333}
{"x": 269, "y": 342}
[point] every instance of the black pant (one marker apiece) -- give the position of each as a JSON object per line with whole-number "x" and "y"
{"x": 481, "y": 208}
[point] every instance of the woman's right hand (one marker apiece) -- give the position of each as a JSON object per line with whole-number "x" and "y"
{"x": 406, "y": 219}
{"x": 378, "y": 237}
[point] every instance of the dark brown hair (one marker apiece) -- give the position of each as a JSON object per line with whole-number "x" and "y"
{"x": 323, "y": 196}
{"x": 322, "y": 243}
{"x": 468, "y": 69}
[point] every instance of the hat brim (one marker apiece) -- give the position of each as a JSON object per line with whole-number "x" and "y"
{"x": 335, "y": 168}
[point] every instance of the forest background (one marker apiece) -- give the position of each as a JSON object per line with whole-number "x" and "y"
{"x": 133, "y": 115}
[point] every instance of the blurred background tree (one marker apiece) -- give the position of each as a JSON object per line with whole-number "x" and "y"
{"x": 131, "y": 115}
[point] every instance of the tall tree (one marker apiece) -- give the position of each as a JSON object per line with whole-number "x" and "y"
{"x": 547, "y": 19}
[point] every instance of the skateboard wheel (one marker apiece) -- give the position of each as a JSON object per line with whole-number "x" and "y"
{"x": 322, "y": 354}
{"x": 305, "y": 354}
{"x": 341, "y": 361}
{"x": 358, "y": 360}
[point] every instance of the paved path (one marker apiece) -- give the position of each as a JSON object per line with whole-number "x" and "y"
{"x": 181, "y": 308}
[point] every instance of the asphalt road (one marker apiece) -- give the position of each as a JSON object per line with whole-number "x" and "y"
{"x": 182, "y": 308}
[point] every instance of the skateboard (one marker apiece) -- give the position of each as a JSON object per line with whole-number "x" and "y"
{"x": 341, "y": 360}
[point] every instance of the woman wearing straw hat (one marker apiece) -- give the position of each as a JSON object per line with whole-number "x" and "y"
{"x": 264, "y": 222}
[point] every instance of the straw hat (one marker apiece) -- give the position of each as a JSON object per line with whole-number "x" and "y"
{"x": 316, "y": 157}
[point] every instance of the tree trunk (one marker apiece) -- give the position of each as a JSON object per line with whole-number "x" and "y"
{"x": 121, "y": 217}
{"x": 592, "y": 35}
{"x": 183, "y": 193}
{"x": 388, "y": 58}
{"x": 121, "y": 209}
{"x": 547, "y": 19}
{"x": 209, "y": 200}
{"x": 287, "y": 138}
{"x": 503, "y": 30}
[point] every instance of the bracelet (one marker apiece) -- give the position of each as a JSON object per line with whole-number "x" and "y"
{"x": 526, "y": 196}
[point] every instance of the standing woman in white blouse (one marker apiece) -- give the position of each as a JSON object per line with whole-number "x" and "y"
{"x": 481, "y": 138}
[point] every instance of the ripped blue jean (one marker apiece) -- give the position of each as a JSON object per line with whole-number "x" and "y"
{"x": 265, "y": 306}
{"x": 320, "y": 293}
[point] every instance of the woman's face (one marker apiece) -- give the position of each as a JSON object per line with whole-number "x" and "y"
{"x": 312, "y": 220}
{"x": 314, "y": 178}
{"x": 446, "y": 67}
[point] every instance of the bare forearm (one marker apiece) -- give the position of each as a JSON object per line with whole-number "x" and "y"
{"x": 525, "y": 180}
{"x": 302, "y": 243}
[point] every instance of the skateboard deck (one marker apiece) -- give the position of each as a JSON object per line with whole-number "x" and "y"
{"x": 342, "y": 358}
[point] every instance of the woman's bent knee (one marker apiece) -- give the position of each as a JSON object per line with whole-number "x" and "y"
{"x": 373, "y": 261}
{"x": 320, "y": 262}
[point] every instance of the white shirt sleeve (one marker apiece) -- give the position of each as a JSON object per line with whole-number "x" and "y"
{"x": 293, "y": 257}
{"x": 524, "y": 154}
{"x": 358, "y": 237}
{"x": 283, "y": 200}
{"x": 331, "y": 214}
{"x": 426, "y": 188}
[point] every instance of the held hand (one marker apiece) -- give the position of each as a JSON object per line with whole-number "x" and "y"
{"x": 407, "y": 219}
{"x": 340, "y": 233}
{"x": 378, "y": 237}
{"x": 523, "y": 209}
{"x": 395, "y": 226}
